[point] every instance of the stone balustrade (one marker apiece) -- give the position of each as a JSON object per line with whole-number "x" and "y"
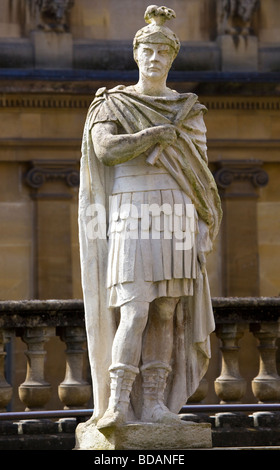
{"x": 260, "y": 316}
{"x": 35, "y": 322}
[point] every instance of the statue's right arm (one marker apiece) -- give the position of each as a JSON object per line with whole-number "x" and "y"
{"x": 112, "y": 148}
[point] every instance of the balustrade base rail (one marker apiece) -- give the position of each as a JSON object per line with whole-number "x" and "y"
{"x": 196, "y": 409}
{"x": 233, "y": 426}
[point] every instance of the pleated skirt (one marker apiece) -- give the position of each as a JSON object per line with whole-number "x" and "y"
{"x": 152, "y": 246}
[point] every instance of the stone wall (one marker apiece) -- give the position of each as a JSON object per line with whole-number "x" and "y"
{"x": 47, "y": 80}
{"x": 98, "y": 36}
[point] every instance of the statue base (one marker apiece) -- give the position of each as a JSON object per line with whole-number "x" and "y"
{"x": 144, "y": 436}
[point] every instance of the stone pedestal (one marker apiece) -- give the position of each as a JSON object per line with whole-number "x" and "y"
{"x": 238, "y": 53}
{"x": 144, "y": 436}
{"x": 52, "y": 50}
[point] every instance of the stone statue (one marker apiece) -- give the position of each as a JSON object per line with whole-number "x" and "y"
{"x": 235, "y": 16}
{"x": 149, "y": 212}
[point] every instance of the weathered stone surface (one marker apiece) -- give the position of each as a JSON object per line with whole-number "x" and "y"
{"x": 52, "y": 50}
{"x": 140, "y": 436}
{"x": 144, "y": 345}
{"x": 239, "y": 53}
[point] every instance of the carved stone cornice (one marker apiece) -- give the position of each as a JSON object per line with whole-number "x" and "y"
{"x": 241, "y": 103}
{"x": 41, "y": 172}
{"x": 45, "y": 101}
{"x": 77, "y": 99}
{"x": 248, "y": 172}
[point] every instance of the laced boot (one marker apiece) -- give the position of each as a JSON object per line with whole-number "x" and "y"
{"x": 154, "y": 377}
{"x": 122, "y": 377}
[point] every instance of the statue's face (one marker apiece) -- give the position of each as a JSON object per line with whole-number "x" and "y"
{"x": 154, "y": 60}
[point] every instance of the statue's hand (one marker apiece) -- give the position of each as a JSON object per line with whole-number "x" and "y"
{"x": 166, "y": 133}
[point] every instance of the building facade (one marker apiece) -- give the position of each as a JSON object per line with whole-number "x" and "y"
{"x": 55, "y": 54}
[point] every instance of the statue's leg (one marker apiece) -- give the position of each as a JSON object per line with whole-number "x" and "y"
{"x": 158, "y": 337}
{"x": 126, "y": 353}
{"x": 121, "y": 380}
{"x": 127, "y": 343}
{"x": 156, "y": 357}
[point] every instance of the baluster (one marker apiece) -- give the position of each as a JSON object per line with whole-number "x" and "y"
{"x": 230, "y": 387}
{"x": 6, "y": 391}
{"x": 200, "y": 393}
{"x": 266, "y": 385}
{"x": 74, "y": 391}
{"x": 35, "y": 392}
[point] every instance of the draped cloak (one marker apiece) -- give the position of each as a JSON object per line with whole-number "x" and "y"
{"x": 186, "y": 161}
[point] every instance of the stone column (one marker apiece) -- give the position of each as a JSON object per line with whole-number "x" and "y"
{"x": 6, "y": 391}
{"x": 52, "y": 184}
{"x": 230, "y": 387}
{"x": 74, "y": 391}
{"x": 266, "y": 386}
{"x": 35, "y": 392}
{"x": 238, "y": 182}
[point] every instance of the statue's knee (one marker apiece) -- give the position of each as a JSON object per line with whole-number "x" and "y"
{"x": 165, "y": 307}
{"x": 136, "y": 314}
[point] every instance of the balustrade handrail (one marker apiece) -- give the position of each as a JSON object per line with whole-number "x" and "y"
{"x": 225, "y": 309}
{"x": 246, "y": 309}
{"x": 35, "y": 321}
{"x": 32, "y": 313}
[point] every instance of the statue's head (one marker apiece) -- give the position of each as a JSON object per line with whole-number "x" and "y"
{"x": 155, "y": 32}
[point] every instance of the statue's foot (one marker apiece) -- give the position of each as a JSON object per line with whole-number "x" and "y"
{"x": 112, "y": 417}
{"x": 160, "y": 414}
